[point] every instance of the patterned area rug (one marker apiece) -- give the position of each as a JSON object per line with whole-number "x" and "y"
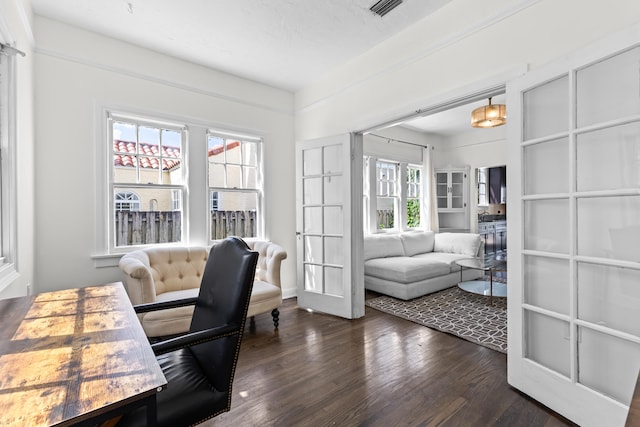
{"x": 463, "y": 314}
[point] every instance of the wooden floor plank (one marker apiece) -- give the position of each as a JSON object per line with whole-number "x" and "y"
{"x": 319, "y": 370}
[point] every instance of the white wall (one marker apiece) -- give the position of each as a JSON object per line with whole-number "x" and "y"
{"x": 16, "y": 15}
{"x": 477, "y": 148}
{"x": 461, "y": 44}
{"x": 75, "y": 73}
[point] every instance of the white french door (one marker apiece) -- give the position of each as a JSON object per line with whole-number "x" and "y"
{"x": 574, "y": 231}
{"x": 330, "y": 270}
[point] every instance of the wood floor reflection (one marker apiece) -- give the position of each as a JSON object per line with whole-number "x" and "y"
{"x": 380, "y": 370}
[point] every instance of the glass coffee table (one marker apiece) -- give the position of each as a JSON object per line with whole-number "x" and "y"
{"x": 489, "y": 287}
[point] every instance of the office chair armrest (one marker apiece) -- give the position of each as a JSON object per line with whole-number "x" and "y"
{"x": 194, "y": 338}
{"x": 162, "y": 305}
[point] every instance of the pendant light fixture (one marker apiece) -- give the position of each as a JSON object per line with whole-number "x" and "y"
{"x": 489, "y": 116}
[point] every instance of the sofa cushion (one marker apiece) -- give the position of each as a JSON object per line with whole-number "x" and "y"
{"x": 405, "y": 269}
{"x": 457, "y": 243}
{"x": 382, "y": 245}
{"x": 443, "y": 257}
{"x": 417, "y": 242}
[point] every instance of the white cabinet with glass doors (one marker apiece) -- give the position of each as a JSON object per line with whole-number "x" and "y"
{"x": 452, "y": 198}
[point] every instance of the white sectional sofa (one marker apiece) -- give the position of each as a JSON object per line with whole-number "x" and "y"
{"x": 414, "y": 263}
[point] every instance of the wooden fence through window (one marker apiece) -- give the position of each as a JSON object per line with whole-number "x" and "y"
{"x": 143, "y": 227}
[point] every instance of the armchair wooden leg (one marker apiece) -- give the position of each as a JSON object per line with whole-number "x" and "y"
{"x": 276, "y": 317}
{"x": 252, "y": 324}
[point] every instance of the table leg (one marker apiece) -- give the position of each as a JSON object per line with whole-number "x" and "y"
{"x": 491, "y": 285}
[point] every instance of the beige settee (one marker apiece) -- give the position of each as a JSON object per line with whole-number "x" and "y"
{"x": 173, "y": 272}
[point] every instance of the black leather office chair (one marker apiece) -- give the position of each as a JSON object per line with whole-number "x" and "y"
{"x": 200, "y": 366}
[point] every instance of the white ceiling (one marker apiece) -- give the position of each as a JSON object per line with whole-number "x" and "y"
{"x": 453, "y": 121}
{"x": 283, "y": 43}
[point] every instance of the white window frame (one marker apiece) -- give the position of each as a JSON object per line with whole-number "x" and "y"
{"x": 195, "y": 201}
{"x": 8, "y": 170}
{"x": 226, "y": 188}
{"x": 412, "y": 191}
{"x": 143, "y": 122}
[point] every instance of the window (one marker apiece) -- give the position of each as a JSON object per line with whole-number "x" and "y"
{"x": 482, "y": 187}
{"x": 235, "y": 185}
{"x": 413, "y": 196}
{"x": 392, "y": 195}
{"x": 127, "y": 201}
{"x": 147, "y": 171}
{"x": 386, "y": 194}
{"x": 8, "y": 192}
{"x": 162, "y": 181}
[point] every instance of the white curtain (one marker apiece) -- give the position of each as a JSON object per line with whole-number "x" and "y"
{"x": 428, "y": 207}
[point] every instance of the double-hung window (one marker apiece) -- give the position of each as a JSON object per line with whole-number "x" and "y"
{"x": 235, "y": 185}
{"x": 413, "y": 196}
{"x": 387, "y": 194}
{"x": 147, "y": 181}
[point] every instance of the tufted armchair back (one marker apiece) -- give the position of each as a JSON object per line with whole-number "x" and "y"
{"x": 173, "y": 272}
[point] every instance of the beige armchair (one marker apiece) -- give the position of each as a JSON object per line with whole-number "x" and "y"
{"x": 173, "y": 272}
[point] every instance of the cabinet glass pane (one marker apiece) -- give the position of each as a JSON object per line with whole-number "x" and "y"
{"x": 547, "y": 342}
{"x": 608, "y": 364}
{"x": 312, "y": 161}
{"x": 546, "y": 283}
{"x": 332, "y": 159}
{"x": 546, "y": 109}
{"x": 609, "y": 227}
{"x": 312, "y": 191}
{"x": 457, "y": 177}
{"x": 609, "y": 158}
{"x": 333, "y": 189}
{"x": 609, "y": 296}
{"x": 546, "y": 224}
{"x": 313, "y": 249}
{"x": 333, "y": 248}
{"x": 608, "y": 89}
{"x": 441, "y": 178}
{"x": 333, "y": 220}
{"x": 442, "y": 202}
{"x": 333, "y": 281}
{"x": 546, "y": 167}
{"x": 313, "y": 278}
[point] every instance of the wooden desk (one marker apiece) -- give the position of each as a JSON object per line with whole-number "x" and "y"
{"x": 73, "y": 355}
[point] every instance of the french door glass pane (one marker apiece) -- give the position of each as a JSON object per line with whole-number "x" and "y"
{"x": 546, "y": 283}
{"x": 546, "y": 109}
{"x": 608, "y": 296}
{"x": 312, "y": 220}
{"x": 553, "y": 158}
{"x": 547, "y": 342}
{"x": 605, "y": 362}
{"x": 609, "y": 158}
{"x": 332, "y": 220}
{"x": 312, "y": 161}
{"x": 312, "y": 191}
{"x": 609, "y": 227}
{"x": 333, "y": 281}
{"x": 333, "y": 186}
{"x": 332, "y": 159}
{"x": 333, "y": 248}
{"x": 546, "y": 224}
{"x": 608, "y": 89}
{"x": 313, "y": 278}
{"x": 313, "y": 249}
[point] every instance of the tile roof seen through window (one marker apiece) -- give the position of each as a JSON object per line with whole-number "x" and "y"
{"x": 125, "y": 154}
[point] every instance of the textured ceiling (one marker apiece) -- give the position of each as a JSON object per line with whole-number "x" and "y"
{"x": 283, "y": 43}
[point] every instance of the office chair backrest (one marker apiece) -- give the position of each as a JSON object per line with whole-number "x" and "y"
{"x": 223, "y": 301}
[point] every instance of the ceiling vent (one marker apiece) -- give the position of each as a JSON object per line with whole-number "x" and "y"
{"x": 384, "y": 6}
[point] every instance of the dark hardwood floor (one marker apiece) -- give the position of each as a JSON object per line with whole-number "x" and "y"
{"x": 380, "y": 370}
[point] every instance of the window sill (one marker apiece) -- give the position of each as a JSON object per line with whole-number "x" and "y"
{"x": 8, "y": 275}
{"x": 106, "y": 260}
